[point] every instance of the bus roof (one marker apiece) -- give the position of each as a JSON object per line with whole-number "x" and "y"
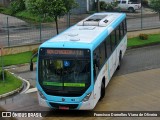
{"x": 87, "y": 32}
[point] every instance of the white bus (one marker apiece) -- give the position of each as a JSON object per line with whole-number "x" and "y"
{"x": 75, "y": 66}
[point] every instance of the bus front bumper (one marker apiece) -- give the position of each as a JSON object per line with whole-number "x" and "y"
{"x": 88, "y": 105}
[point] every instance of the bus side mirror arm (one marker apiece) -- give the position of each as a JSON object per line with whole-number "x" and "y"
{"x": 31, "y": 62}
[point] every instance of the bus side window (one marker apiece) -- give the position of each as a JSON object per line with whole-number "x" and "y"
{"x": 125, "y": 26}
{"x": 96, "y": 62}
{"x": 113, "y": 40}
{"x": 108, "y": 47}
{"x": 102, "y": 53}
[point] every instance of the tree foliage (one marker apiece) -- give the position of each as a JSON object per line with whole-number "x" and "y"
{"x": 70, "y": 4}
{"x": 155, "y": 5}
{"x": 52, "y": 8}
{"x": 108, "y": 6}
{"x": 17, "y": 6}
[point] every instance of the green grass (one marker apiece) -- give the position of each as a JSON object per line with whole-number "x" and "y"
{"x": 29, "y": 17}
{"x": 19, "y": 58}
{"x": 26, "y": 16}
{"x": 10, "y": 83}
{"x": 6, "y": 11}
{"x": 136, "y": 42}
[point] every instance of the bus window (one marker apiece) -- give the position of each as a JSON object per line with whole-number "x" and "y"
{"x": 125, "y": 26}
{"x": 113, "y": 41}
{"x": 122, "y": 29}
{"x": 108, "y": 47}
{"x": 117, "y": 34}
{"x": 102, "y": 53}
{"x": 96, "y": 62}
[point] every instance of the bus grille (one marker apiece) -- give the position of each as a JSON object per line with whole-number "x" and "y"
{"x": 57, "y": 105}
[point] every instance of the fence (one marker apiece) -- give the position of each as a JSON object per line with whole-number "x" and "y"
{"x": 15, "y": 32}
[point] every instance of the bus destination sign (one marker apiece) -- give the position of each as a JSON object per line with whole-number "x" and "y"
{"x": 64, "y": 52}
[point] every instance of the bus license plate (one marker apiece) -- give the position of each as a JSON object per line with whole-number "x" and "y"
{"x": 63, "y": 108}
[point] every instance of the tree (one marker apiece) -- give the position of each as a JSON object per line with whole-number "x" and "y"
{"x": 155, "y": 5}
{"x": 69, "y": 4}
{"x": 52, "y": 8}
{"x": 17, "y": 6}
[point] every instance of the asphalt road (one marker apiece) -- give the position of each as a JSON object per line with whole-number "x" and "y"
{"x": 135, "y": 91}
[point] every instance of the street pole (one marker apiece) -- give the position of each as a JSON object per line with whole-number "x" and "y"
{"x": 2, "y": 63}
{"x": 8, "y": 31}
{"x": 68, "y": 20}
{"x": 98, "y": 9}
{"x": 141, "y": 16}
{"x": 40, "y": 30}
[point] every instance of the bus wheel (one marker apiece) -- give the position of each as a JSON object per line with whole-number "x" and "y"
{"x": 119, "y": 63}
{"x": 102, "y": 90}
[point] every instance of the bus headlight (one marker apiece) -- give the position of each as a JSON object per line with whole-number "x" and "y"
{"x": 41, "y": 95}
{"x": 87, "y": 97}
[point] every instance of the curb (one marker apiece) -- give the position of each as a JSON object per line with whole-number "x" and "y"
{"x": 18, "y": 89}
{"x": 11, "y": 93}
{"x": 142, "y": 46}
{"x": 28, "y": 85}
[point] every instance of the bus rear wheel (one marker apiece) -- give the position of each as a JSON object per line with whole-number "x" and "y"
{"x": 102, "y": 90}
{"x": 119, "y": 63}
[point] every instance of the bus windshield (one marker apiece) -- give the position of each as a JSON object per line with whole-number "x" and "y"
{"x": 64, "y": 72}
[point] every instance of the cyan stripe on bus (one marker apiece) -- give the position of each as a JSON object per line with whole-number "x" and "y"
{"x": 68, "y": 45}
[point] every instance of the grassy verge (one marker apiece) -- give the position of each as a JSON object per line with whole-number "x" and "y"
{"x": 26, "y": 16}
{"x": 10, "y": 83}
{"x": 16, "y": 59}
{"x": 29, "y": 17}
{"x": 137, "y": 42}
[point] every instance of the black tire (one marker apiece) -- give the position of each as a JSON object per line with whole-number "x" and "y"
{"x": 102, "y": 90}
{"x": 131, "y": 10}
{"x": 119, "y": 63}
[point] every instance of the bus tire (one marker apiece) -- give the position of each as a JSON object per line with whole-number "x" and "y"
{"x": 119, "y": 63}
{"x": 102, "y": 90}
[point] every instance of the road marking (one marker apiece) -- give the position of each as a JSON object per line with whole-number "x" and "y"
{"x": 31, "y": 90}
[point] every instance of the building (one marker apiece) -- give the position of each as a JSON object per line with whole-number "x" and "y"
{"x": 84, "y": 6}
{"x": 5, "y": 2}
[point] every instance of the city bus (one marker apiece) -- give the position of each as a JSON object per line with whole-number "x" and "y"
{"x": 74, "y": 67}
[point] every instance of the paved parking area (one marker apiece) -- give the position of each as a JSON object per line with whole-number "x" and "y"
{"x": 137, "y": 91}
